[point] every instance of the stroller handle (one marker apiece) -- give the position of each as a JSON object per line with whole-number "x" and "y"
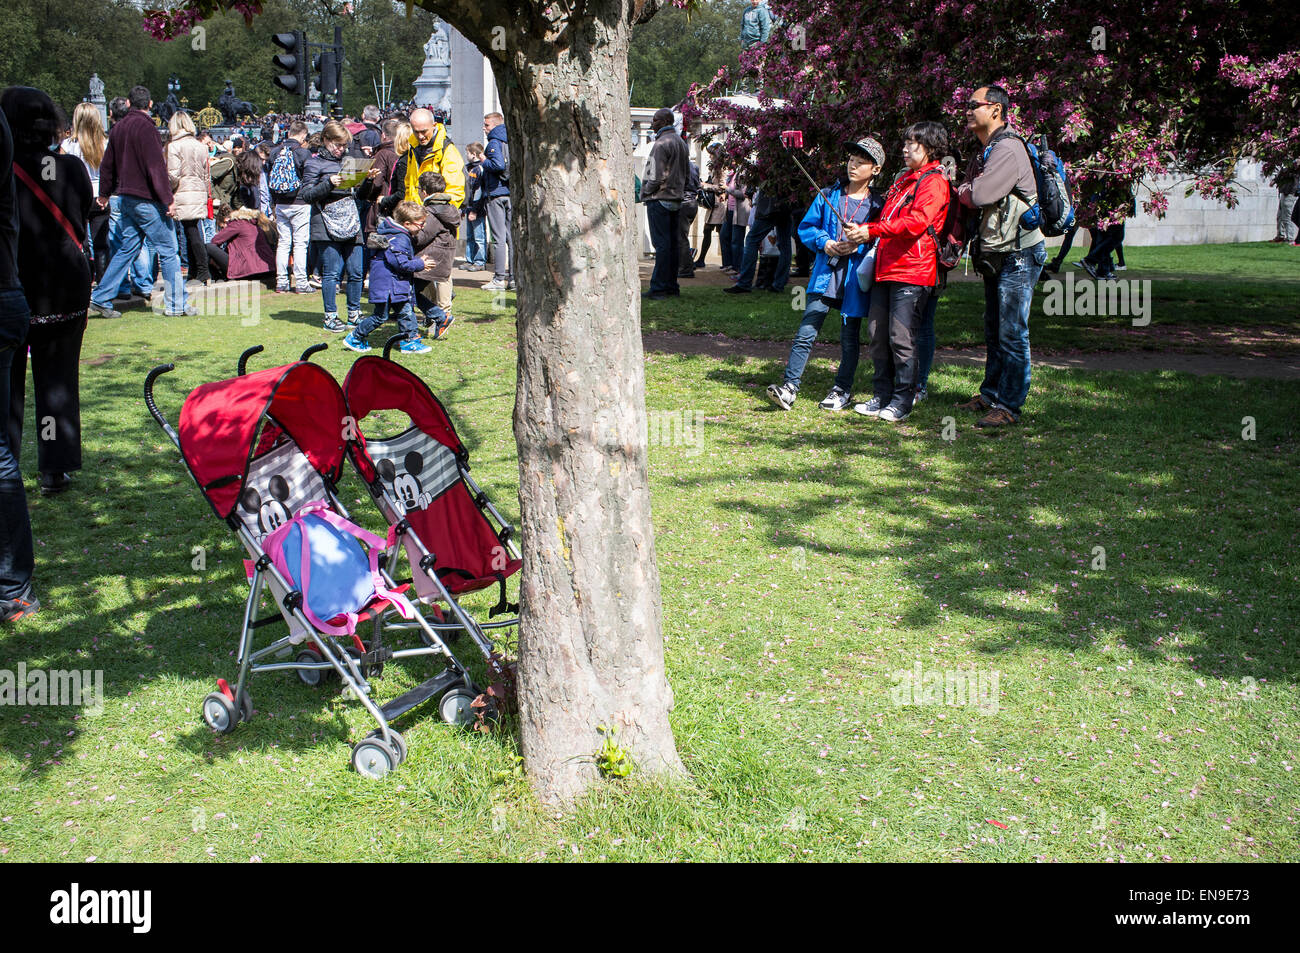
{"x": 154, "y": 374}
{"x": 306, "y": 355}
{"x": 243, "y": 358}
{"x": 391, "y": 343}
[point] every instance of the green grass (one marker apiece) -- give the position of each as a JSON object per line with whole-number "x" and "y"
{"x": 1147, "y": 710}
{"x": 1205, "y": 290}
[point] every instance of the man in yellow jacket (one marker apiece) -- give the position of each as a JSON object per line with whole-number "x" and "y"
{"x": 431, "y": 151}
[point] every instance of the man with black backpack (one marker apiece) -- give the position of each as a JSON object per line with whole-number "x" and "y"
{"x": 292, "y": 217}
{"x": 1001, "y": 186}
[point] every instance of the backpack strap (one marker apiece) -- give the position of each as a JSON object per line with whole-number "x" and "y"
{"x": 48, "y": 202}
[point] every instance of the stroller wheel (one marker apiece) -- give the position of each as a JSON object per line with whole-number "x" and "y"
{"x": 310, "y": 676}
{"x": 245, "y": 707}
{"x": 219, "y": 713}
{"x": 455, "y": 707}
{"x": 398, "y": 743}
{"x": 373, "y": 759}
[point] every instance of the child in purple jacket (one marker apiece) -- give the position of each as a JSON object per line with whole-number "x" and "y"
{"x": 390, "y": 279}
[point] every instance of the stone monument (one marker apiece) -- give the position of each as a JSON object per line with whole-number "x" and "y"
{"x": 97, "y": 98}
{"x": 433, "y": 87}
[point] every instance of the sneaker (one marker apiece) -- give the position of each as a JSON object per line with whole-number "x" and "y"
{"x": 304, "y": 290}
{"x": 354, "y": 343}
{"x": 1090, "y": 268}
{"x": 995, "y": 418}
{"x": 510, "y": 286}
{"x": 414, "y": 346}
{"x": 11, "y": 610}
{"x": 188, "y": 311}
{"x": 837, "y": 399}
{"x": 282, "y": 287}
{"x": 102, "y": 311}
{"x": 919, "y": 396}
{"x": 334, "y": 325}
{"x": 313, "y": 281}
{"x": 1121, "y": 267}
{"x": 51, "y": 483}
{"x": 496, "y": 284}
{"x": 735, "y": 290}
{"x": 894, "y": 413}
{"x": 976, "y": 403}
{"x": 440, "y": 328}
{"x": 782, "y": 395}
{"x": 354, "y": 318}
{"x": 871, "y": 408}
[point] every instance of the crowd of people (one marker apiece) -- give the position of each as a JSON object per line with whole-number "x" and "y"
{"x": 873, "y": 253}
{"x": 93, "y": 219}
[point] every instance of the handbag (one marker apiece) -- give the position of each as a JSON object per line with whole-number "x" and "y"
{"x": 341, "y": 219}
{"x": 867, "y": 267}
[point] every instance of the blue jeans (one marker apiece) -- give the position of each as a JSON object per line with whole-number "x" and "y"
{"x": 757, "y": 232}
{"x": 334, "y": 257}
{"x": 663, "y": 235}
{"x": 402, "y": 310}
{"x": 809, "y": 327}
{"x": 925, "y": 341}
{"x": 737, "y": 244}
{"x": 144, "y": 223}
{"x": 139, "y": 276}
{"x": 475, "y": 240}
{"x": 16, "y": 557}
{"x": 1007, "y": 299}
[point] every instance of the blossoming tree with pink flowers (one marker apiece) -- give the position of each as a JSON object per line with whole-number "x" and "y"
{"x": 1122, "y": 91}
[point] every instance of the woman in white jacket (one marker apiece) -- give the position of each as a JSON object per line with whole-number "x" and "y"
{"x": 187, "y": 168}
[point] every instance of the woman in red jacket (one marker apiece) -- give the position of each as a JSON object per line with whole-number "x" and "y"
{"x": 240, "y": 249}
{"x": 906, "y": 268}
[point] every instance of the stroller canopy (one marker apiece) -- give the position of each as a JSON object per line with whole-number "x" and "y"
{"x": 220, "y": 424}
{"x": 375, "y": 383}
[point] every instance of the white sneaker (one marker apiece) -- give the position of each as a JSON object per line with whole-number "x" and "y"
{"x": 894, "y": 413}
{"x": 837, "y": 399}
{"x": 782, "y": 395}
{"x": 871, "y": 408}
{"x": 919, "y": 396}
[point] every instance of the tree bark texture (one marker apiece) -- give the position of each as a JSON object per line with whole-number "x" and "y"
{"x": 591, "y": 647}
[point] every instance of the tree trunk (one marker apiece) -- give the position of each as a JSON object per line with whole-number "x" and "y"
{"x": 591, "y": 648}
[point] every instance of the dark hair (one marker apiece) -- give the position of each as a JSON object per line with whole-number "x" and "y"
{"x": 996, "y": 94}
{"x": 248, "y": 167}
{"x": 931, "y": 135}
{"x": 33, "y": 118}
{"x": 431, "y": 183}
{"x": 388, "y": 128}
{"x": 118, "y": 107}
{"x": 139, "y": 97}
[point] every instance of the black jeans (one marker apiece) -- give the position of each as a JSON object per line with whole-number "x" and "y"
{"x": 98, "y": 224}
{"x": 16, "y": 558}
{"x": 218, "y": 261}
{"x": 663, "y": 235}
{"x": 195, "y": 242}
{"x": 896, "y": 311}
{"x": 56, "y": 382}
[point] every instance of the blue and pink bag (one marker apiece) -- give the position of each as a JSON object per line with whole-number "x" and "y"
{"x": 320, "y": 553}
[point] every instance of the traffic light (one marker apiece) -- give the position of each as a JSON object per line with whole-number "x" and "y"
{"x": 325, "y": 68}
{"x": 291, "y": 65}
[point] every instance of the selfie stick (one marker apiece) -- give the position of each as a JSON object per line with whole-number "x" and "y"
{"x": 795, "y": 137}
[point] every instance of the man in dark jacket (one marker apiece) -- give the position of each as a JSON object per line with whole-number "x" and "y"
{"x": 496, "y": 192}
{"x": 16, "y": 551}
{"x": 685, "y": 219}
{"x": 292, "y": 214}
{"x": 133, "y": 168}
{"x": 666, "y": 173}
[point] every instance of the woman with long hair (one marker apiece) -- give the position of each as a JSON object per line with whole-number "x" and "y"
{"x": 335, "y": 224}
{"x": 55, "y": 275}
{"x": 87, "y": 143}
{"x": 187, "y": 168}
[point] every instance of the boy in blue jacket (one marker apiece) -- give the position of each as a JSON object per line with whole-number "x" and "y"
{"x": 834, "y": 280}
{"x": 390, "y": 279}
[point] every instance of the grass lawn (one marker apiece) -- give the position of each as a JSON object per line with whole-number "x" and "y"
{"x": 1146, "y": 710}
{"x": 1199, "y": 296}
